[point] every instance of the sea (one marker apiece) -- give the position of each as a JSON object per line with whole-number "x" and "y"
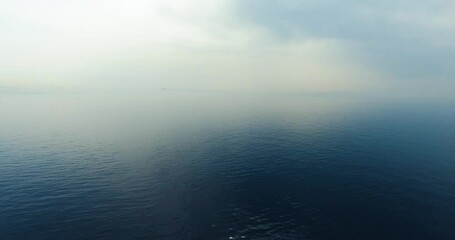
{"x": 203, "y": 165}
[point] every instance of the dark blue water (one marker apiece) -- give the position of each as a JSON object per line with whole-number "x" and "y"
{"x": 195, "y": 166}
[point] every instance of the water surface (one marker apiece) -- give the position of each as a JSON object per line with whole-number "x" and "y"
{"x": 220, "y": 166}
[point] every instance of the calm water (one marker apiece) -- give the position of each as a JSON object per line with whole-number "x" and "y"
{"x": 206, "y": 166}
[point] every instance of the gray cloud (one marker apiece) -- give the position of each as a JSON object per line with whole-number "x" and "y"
{"x": 406, "y": 40}
{"x": 264, "y": 45}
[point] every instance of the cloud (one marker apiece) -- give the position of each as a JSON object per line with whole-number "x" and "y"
{"x": 408, "y": 41}
{"x": 283, "y": 45}
{"x": 67, "y": 42}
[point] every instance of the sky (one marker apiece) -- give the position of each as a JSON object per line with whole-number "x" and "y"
{"x": 400, "y": 47}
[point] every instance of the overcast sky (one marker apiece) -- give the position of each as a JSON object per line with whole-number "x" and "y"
{"x": 395, "y": 47}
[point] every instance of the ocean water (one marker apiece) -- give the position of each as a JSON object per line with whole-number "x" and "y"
{"x": 225, "y": 166}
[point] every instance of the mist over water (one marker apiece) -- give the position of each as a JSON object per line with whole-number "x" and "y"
{"x": 225, "y": 166}
{"x": 227, "y": 119}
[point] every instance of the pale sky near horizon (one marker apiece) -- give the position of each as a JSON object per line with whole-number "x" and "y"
{"x": 397, "y": 47}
